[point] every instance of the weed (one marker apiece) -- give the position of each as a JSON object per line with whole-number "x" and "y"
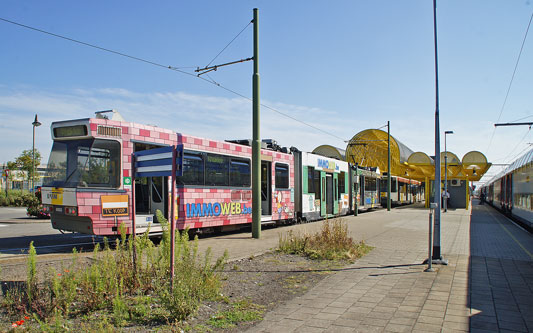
{"x": 242, "y": 311}
{"x": 115, "y": 286}
{"x": 31, "y": 285}
{"x": 332, "y": 242}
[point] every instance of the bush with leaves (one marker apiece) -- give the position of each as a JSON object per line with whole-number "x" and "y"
{"x": 332, "y": 242}
{"x": 128, "y": 284}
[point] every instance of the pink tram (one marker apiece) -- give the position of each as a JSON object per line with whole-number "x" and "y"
{"x": 88, "y": 186}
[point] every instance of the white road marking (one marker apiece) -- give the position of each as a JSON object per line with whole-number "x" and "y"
{"x": 3, "y": 225}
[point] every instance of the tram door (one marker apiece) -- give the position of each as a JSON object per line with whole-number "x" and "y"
{"x": 266, "y": 188}
{"x": 158, "y": 195}
{"x": 362, "y": 182}
{"x": 329, "y": 194}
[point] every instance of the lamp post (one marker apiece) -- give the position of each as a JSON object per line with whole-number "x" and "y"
{"x": 437, "y": 257}
{"x": 445, "y": 200}
{"x": 35, "y": 123}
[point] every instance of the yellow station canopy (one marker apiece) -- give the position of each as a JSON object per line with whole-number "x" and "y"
{"x": 368, "y": 148}
{"x": 330, "y": 151}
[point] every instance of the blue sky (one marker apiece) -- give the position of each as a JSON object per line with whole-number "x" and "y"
{"x": 341, "y": 66}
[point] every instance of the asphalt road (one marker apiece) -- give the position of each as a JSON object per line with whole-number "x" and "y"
{"x": 13, "y": 213}
{"x": 17, "y": 231}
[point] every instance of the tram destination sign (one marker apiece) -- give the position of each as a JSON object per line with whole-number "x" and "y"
{"x": 115, "y": 205}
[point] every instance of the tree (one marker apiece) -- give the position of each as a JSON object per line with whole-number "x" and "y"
{"x": 25, "y": 163}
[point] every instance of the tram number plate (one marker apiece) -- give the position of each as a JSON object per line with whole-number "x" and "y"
{"x": 115, "y": 205}
{"x": 115, "y": 211}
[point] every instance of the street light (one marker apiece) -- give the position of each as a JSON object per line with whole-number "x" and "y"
{"x": 437, "y": 257}
{"x": 445, "y": 200}
{"x": 35, "y": 123}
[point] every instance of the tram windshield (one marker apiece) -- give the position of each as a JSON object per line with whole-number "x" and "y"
{"x": 84, "y": 163}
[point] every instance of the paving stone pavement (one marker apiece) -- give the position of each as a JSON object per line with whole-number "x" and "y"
{"x": 487, "y": 286}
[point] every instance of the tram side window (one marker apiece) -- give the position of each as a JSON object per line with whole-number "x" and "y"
{"x": 282, "y": 175}
{"x": 239, "y": 175}
{"x": 99, "y": 164}
{"x": 193, "y": 169}
{"x": 216, "y": 170}
{"x": 316, "y": 181}
{"x": 370, "y": 184}
{"x": 310, "y": 180}
{"x": 342, "y": 184}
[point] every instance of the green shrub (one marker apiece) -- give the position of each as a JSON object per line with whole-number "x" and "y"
{"x": 332, "y": 242}
{"x": 198, "y": 280}
{"x": 17, "y": 198}
{"x": 119, "y": 287}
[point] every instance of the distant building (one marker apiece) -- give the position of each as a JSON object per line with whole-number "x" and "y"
{"x": 18, "y": 179}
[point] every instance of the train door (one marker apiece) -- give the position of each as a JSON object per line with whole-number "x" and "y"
{"x": 336, "y": 193}
{"x": 266, "y": 188}
{"x": 151, "y": 194}
{"x": 158, "y": 195}
{"x": 329, "y": 194}
{"x": 362, "y": 181}
{"x": 509, "y": 191}
{"x": 323, "y": 202}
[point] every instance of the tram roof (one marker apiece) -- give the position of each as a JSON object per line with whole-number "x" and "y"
{"x": 370, "y": 148}
{"x": 523, "y": 160}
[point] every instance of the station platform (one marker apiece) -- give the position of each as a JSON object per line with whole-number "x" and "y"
{"x": 487, "y": 286}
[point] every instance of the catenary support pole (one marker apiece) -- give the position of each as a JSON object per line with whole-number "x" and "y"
{"x": 256, "y": 142}
{"x": 133, "y": 226}
{"x": 172, "y": 215}
{"x": 389, "y": 173}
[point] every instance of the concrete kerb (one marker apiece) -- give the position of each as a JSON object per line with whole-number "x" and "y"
{"x": 24, "y": 220}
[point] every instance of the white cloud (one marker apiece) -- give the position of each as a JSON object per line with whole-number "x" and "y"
{"x": 230, "y": 118}
{"x": 205, "y": 116}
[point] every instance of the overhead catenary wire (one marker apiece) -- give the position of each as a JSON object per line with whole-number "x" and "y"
{"x": 512, "y": 79}
{"x": 506, "y": 158}
{"x": 225, "y": 47}
{"x": 518, "y": 154}
{"x": 514, "y": 121}
{"x": 176, "y": 69}
{"x": 96, "y": 46}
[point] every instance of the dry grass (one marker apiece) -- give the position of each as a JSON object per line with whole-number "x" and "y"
{"x": 332, "y": 242}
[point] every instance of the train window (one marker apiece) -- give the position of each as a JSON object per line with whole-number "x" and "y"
{"x": 310, "y": 180}
{"x": 193, "y": 169}
{"x": 157, "y": 189}
{"x": 282, "y": 175}
{"x": 324, "y": 188}
{"x": 342, "y": 184}
{"x": 98, "y": 164}
{"x": 370, "y": 184}
{"x": 316, "y": 181}
{"x": 216, "y": 170}
{"x": 239, "y": 174}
